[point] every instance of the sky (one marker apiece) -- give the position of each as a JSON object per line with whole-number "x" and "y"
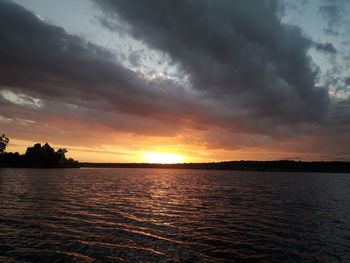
{"x": 191, "y": 81}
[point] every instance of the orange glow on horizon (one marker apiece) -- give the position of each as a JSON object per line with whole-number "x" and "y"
{"x": 163, "y": 158}
{"x": 160, "y": 154}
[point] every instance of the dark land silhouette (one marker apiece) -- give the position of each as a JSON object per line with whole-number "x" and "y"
{"x": 46, "y": 157}
{"x": 276, "y": 166}
{"x": 38, "y": 157}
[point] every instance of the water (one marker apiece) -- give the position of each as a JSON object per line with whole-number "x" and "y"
{"x": 156, "y": 215}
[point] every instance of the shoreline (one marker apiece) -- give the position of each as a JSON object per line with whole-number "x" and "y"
{"x": 268, "y": 166}
{"x": 264, "y": 166}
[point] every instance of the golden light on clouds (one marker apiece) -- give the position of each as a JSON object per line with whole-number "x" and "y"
{"x": 163, "y": 158}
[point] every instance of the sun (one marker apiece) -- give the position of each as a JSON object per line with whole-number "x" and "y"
{"x": 163, "y": 158}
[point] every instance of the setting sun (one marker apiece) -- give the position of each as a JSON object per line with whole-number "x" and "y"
{"x": 163, "y": 158}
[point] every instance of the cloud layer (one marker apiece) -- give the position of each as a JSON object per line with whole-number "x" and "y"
{"x": 238, "y": 52}
{"x": 251, "y": 82}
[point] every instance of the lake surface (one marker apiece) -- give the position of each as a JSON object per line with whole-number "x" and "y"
{"x": 159, "y": 215}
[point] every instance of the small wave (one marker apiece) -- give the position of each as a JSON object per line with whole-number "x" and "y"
{"x": 174, "y": 216}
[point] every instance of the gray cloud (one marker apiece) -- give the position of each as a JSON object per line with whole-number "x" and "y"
{"x": 334, "y": 12}
{"x": 347, "y": 81}
{"x": 249, "y": 73}
{"x": 327, "y": 48}
{"x": 134, "y": 58}
{"x": 237, "y": 52}
{"x": 240, "y": 55}
{"x": 45, "y": 61}
{"x": 242, "y": 69}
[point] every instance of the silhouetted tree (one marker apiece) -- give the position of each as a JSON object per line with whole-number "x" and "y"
{"x": 61, "y": 155}
{"x": 3, "y": 143}
{"x": 35, "y": 156}
{"x": 46, "y": 156}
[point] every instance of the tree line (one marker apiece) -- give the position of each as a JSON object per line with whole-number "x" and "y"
{"x": 37, "y": 156}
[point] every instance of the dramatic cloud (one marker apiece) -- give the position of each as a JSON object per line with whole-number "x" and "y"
{"x": 240, "y": 77}
{"x": 45, "y": 61}
{"x": 242, "y": 57}
{"x": 237, "y": 52}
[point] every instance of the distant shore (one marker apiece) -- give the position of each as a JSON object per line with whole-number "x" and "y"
{"x": 39, "y": 166}
{"x": 271, "y": 166}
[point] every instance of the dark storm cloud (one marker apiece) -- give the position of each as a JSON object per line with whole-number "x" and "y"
{"x": 249, "y": 73}
{"x": 235, "y": 51}
{"x": 45, "y": 61}
{"x": 252, "y": 68}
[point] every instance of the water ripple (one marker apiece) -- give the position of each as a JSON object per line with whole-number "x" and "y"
{"x": 154, "y": 215}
